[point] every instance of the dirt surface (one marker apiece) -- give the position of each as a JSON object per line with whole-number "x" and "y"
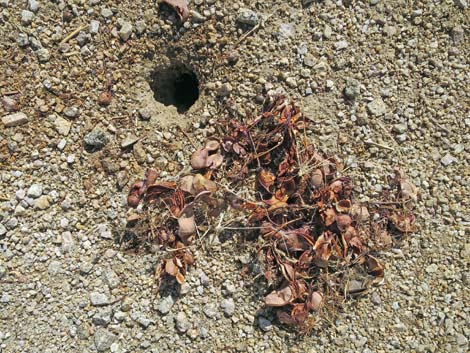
{"x": 386, "y": 83}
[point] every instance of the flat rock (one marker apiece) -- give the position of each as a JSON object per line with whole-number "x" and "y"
{"x": 377, "y": 107}
{"x": 14, "y": 119}
{"x": 98, "y": 299}
{"x": 62, "y": 126}
{"x": 104, "y": 339}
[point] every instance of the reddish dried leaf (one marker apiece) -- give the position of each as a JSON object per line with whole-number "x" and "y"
{"x": 179, "y": 278}
{"x": 199, "y": 159}
{"x": 214, "y": 161}
{"x": 180, "y": 6}
{"x": 212, "y": 145}
{"x": 280, "y": 297}
{"x": 374, "y": 266}
{"x": 171, "y": 268}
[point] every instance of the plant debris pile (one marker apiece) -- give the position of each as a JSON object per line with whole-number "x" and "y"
{"x": 313, "y": 237}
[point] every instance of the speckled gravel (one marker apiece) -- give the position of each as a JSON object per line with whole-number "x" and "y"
{"x": 386, "y": 84}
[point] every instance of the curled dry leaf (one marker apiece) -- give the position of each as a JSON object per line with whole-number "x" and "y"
{"x": 186, "y": 224}
{"x": 280, "y": 297}
{"x": 186, "y": 184}
{"x": 214, "y": 161}
{"x": 212, "y": 145}
{"x": 360, "y": 213}
{"x": 180, "y": 6}
{"x": 171, "y": 268}
{"x": 199, "y": 159}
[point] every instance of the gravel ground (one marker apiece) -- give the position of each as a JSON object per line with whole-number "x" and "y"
{"x": 387, "y": 85}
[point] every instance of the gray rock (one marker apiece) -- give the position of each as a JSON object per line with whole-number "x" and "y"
{"x": 12, "y": 223}
{"x": 102, "y": 317}
{"x": 104, "y": 339}
{"x": 286, "y": 31}
{"x": 42, "y": 203}
{"x": 67, "y": 242}
{"x": 140, "y": 26}
{"x": 26, "y": 17}
{"x": 98, "y": 299}
{"x": 3, "y": 230}
{"x": 165, "y": 305}
{"x": 228, "y": 306}
{"x": 33, "y": 5}
{"x": 22, "y": 40}
{"x": 71, "y": 112}
{"x": 96, "y": 138}
{"x": 3, "y": 270}
{"x": 264, "y": 324}
{"x": 43, "y": 55}
{"x": 141, "y": 319}
{"x": 210, "y": 310}
{"x": 86, "y": 267}
{"x": 447, "y": 160}
{"x": 129, "y": 140}
{"x": 83, "y": 38}
{"x": 461, "y": 4}
{"x": 182, "y": 322}
{"x": 125, "y": 31}
{"x": 377, "y": 107}
{"x": 205, "y": 281}
{"x": 247, "y": 17}
{"x": 103, "y": 231}
{"x": 352, "y": 90}
{"x": 35, "y": 45}
{"x": 4, "y": 3}
{"x": 106, "y": 13}
{"x": 14, "y": 119}
{"x": 111, "y": 279}
{"x": 400, "y": 128}
{"x": 34, "y": 191}
{"x": 341, "y": 45}
{"x": 62, "y": 125}
{"x": 224, "y": 90}
{"x": 94, "y": 27}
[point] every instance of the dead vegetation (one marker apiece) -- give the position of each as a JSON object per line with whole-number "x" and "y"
{"x": 315, "y": 242}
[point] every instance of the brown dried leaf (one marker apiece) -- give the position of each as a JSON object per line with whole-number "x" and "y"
{"x": 266, "y": 179}
{"x": 186, "y": 224}
{"x": 201, "y": 184}
{"x": 212, "y": 145}
{"x": 199, "y": 159}
{"x": 280, "y": 297}
{"x": 186, "y": 184}
{"x": 360, "y": 213}
{"x": 179, "y": 278}
{"x": 374, "y": 266}
{"x": 171, "y": 268}
{"x": 214, "y": 161}
{"x": 343, "y": 221}
{"x": 316, "y": 301}
{"x": 317, "y": 178}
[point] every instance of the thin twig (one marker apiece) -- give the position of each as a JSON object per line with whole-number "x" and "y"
{"x": 73, "y": 34}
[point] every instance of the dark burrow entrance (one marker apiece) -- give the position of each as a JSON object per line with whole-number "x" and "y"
{"x": 176, "y": 84}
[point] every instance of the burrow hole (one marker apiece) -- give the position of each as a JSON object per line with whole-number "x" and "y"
{"x": 176, "y": 84}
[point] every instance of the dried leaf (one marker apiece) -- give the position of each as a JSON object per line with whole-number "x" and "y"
{"x": 212, "y": 145}
{"x": 170, "y": 267}
{"x": 214, "y": 161}
{"x": 266, "y": 179}
{"x": 201, "y": 183}
{"x": 180, "y": 6}
{"x": 186, "y": 184}
{"x": 199, "y": 159}
{"x": 316, "y": 301}
{"x": 180, "y": 278}
{"x": 280, "y": 297}
{"x": 374, "y": 266}
{"x": 317, "y": 178}
{"x": 186, "y": 224}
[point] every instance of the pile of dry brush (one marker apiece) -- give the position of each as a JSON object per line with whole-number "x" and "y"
{"x": 311, "y": 232}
